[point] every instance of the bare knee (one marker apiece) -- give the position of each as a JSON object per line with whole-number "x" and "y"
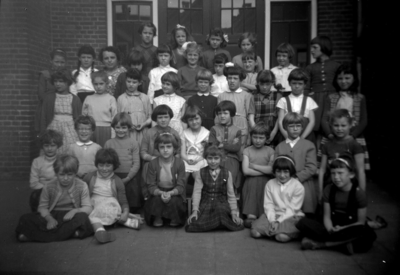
{"x": 283, "y": 238}
{"x": 255, "y": 234}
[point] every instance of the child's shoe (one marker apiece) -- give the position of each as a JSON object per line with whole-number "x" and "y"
{"x": 307, "y": 243}
{"x": 132, "y": 223}
{"x": 158, "y": 222}
{"x": 349, "y": 248}
{"x": 104, "y": 236}
{"x": 173, "y": 223}
{"x": 22, "y": 238}
{"x": 248, "y": 222}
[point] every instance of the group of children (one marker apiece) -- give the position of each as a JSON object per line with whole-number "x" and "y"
{"x": 130, "y": 140}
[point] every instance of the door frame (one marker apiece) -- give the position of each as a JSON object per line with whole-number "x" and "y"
{"x": 109, "y": 19}
{"x": 313, "y": 32}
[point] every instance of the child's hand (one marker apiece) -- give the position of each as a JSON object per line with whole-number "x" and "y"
{"x": 69, "y": 215}
{"x": 51, "y": 223}
{"x": 273, "y": 226}
{"x": 221, "y": 145}
{"x": 236, "y": 219}
{"x": 165, "y": 197}
{"x": 194, "y": 215}
{"x": 124, "y": 217}
{"x": 337, "y": 228}
{"x": 139, "y": 127}
{"x": 235, "y": 140}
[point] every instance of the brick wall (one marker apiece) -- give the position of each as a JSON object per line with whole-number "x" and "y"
{"x": 337, "y": 19}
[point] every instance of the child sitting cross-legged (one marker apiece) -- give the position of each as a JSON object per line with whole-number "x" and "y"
{"x": 63, "y": 208}
{"x": 107, "y": 195}
{"x": 215, "y": 194}
{"x": 283, "y": 198}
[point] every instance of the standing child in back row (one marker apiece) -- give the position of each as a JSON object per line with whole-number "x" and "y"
{"x": 220, "y": 83}
{"x": 217, "y": 40}
{"x": 147, "y": 33}
{"x": 247, "y": 42}
{"x": 284, "y": 55}
{"x": 179, "y": 36}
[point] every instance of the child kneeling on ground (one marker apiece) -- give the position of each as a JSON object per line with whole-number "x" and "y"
{"x": 63, "y": 208}
{"x": 283, "y": 199}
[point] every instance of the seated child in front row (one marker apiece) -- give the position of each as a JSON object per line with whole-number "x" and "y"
{"x": 63, "y": 209}
{"x": 127, "y": 149}
{"x": 304, "y": 154}
{"x": 166, "y": 184}
{"x": 257, "y": 167}
{"x": 345, "y": 213}
{"x": 283, "y": 198}
{"x": 203, "y": 99}
{"x": 84, "y": 149}
{"x": 42, "y": 170}
{"x": 213, "y": 190}
{"x": 162, "y": 115}
{"x": 228, "y": 138}
{"x": 107, "y": 195}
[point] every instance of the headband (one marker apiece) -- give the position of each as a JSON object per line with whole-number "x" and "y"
{"x": 284, "y": 157}
{"x": 180, "y": 26}
{"x": 165, "y": 133}
{"x": 344, "y": 161}
{"x": 229, "y": 64}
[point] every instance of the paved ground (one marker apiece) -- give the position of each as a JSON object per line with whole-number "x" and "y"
{"x": 173, "y": 251}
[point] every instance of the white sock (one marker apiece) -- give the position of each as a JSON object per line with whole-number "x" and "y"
{"x": 100, "y": 229}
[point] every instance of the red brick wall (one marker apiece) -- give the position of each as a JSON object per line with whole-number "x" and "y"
{"x": 337, "y": 19}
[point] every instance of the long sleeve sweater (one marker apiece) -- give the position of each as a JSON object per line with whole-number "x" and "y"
{"x": 42, "y": 172}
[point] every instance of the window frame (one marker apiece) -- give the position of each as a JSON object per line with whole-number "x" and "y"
{"x": 110, "y": 19}
{"x": 313, "y": 32}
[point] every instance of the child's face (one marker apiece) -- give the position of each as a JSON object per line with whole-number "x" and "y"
{"x": 233, "y": 82}
{"x": 132, "y": 84}
{"x": 121, "y": 131}
{"x": 61, "y": 86}
{"x": 110, "y": 61}
{"x": 345, "y": 81}
{"x": 195, "y": 123}
{"x": 192, "y": 58}
{"x": 283, "y": 59}
{"x": 99, "y": 85}
{"x": 84, "y": 132}
{"x": 138, "y": 66}
{"x": 86, "y": 60}
{"x": 213, "y": 161}
{"x": 316, "y": 51}
{"x": 163, "y": 120}
{"x": 294, "y": 131}
{"x": 58, "y": 62}
{"x": 167, "y": 87}
{"x": 258, "y": 140}
{"x": 147, "y": 35}
{"x": 246, "y": 45}
{"x": 219, "y": 69}
{"x": 297, "y": 87}
{"x": 341, "y": 127}
{"x": 166, "y": 150}
{"x": 50, "y": 149}
{"x": 249, "y": 65}
{"x": 224, "y": 117}
{"x": 265, "y": 87}
{"x": 283, "y": 176}
{"x": 204, "y": 85}
{"x": 65, "y": 179}
{"x": 215, "y": 41}
{"x": 180, "y": 37}
{"x": 164, "y": 59}
{"x": 105, "y": 169}
{"x": 341, "y": 177}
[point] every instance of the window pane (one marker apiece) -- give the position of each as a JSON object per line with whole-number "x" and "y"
{"x": 197, "y": 22}
{"x": 276, "y": 12}
{"x": 237, "y": 21}
{"x": 133, "y": 12}
{"x": 172, "y": 18}
{"x": 145, "y": 13}
{"x": 196, "y": 4}
{"x": 250, "y": 20}
{"x": 250, "y": 3}
{"x": 173, "y": 4}
{"x": 185, "y": 18}
{"x": 226, "y": 3}
{"x": 185, "y": 4}
{"x": 237, "y": 3}
{"x": 226, "y": 21}
{"x": 119, "y": 13}
{"x": 293, "y": 11}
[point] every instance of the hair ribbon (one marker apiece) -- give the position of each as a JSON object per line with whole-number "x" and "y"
{"x": 229, "y": 64}
{"x": 180, "y": 26}
{"x": 226, "y": 38}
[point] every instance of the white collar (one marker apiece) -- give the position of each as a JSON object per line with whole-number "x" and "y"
{"x": 169, "y": 95}
{"x": 295, "y": 96}
{"x": 238, "y": 91}
{"x": 80, "y": 143}
{"x": 290, "y": 67}
{"x": 282, "y": 187}
{"x": 292, "y": 143}
{"x": 85, "y": 71}
{"x": 203, "y": 94}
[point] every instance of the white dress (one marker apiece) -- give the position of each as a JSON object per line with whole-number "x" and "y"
{"x": 176, "y": 103}
{"x": 195, "y": 147}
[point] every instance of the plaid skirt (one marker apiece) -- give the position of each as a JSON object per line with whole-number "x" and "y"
{"x": 174, "y": 210}
{"x": 214, "y": 213}
{"x": 288, "y": 227}
{"x": 34, "y": 227}
{"x": 360, "y": 140}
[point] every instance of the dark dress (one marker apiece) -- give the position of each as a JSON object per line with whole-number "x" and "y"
{"x": 207, "y": 105}
{"x": 214, "y": 207}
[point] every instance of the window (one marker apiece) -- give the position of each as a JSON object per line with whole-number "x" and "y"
{"x": 238, "y": 16}
{"x": 188, "y": 13}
